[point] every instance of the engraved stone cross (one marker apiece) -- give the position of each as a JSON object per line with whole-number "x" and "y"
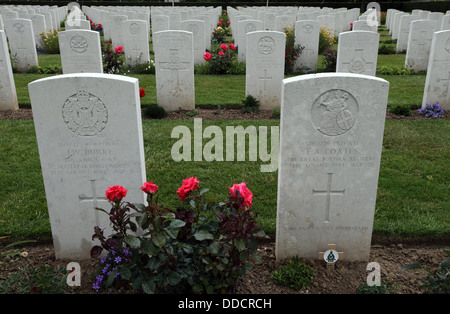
{"x": 174, "y": 65}
{"x": 94, "y": 198}
{"x": 357, "y": 64}
{"x": 328, "y": 192}
{"x": 265, "y": 78}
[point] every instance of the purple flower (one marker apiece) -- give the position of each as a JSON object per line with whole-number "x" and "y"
{"x": 118, "y": 259}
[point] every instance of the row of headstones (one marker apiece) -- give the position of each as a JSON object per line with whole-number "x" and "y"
{"x": 427, "y": 36}
{"x": 278, "y": 18}
{"x": 89, "y": 135}
{"x": 415, "y": 31}
{"x": 43, "y": 18}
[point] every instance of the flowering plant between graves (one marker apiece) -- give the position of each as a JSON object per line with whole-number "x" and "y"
{"x": 112, "y": 59}
{"x": 432, "y": 111}
{"x": 221, "y": 59}
{"x": 220, "y": 33}
{"x": 292, "y": 51}
{"x": 326, "y": 39}
{"x": 200, "y": 247}
{"x": 49, "y": 42}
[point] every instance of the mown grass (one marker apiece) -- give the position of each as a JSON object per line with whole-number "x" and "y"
{"x": 412, "y": 194}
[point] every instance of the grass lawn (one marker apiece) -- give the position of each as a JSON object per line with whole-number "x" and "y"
{"x": 413, "y": 185}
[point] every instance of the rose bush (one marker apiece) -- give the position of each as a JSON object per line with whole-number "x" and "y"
{"x": 200, "y": 247}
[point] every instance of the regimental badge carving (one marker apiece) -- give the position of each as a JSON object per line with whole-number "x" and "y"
{"x": 78, "y": 44}
{"x": 85, "y": 114}
{"x": 18, "y": 27}
{"x": 357, "y": 65}
{"x": 135, "y": 28}
{"x": 334, "y": 112}
{"x": 447, "y": 46}
{"x": 193, "y": 29}
{"x": 250, "y": 28}
{"x": 308, "y": 28}
{"x": 266, "y": 45}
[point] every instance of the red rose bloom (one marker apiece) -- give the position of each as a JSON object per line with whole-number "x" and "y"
{"x": 142, "y": 92}
{"x": 244, "y": 192}
{"x": 207, "y": 56}
{"x": 221, "y": 53}
{"x": 119, "y": 49}
{"x": 187, "y": 187}
{"x": 223, "y": 47}
{"x": 115, "y": 193}
{"x": 232, "y": 47}
{"x": 149, "y": 188}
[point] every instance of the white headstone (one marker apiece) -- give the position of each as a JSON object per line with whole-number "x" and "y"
{"x": 437, "y": 82}
{"x": 117, "y": 33}
{"x": 197, "y": 28}
{"x": 89, "y": 135}
{"x": 174, "y": 66}
{"x": 80, "y": 51}
{"x": 8, "y": 95}
{"x": 358, "y": 52}
{"x": 136, "y": 42}
{"x": 265, "y": 67}
{"x": 445, "y": 23}
{"x": 307, "y": 36}
{"x": 331, "y": 140}
{"x": 419, "y": 44}
{"x": 245, "y": 27}
{"x": 39, "y": 27}
{"x": 22, "y": 43}
{"x": 403, "y": 33}
{"x": 364, "y": 26}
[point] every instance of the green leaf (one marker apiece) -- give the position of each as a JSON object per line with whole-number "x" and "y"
{"x": 149, "y": 248}
{"x": 203, "y": 235}
{"x": 132, "y": 241}
{"x": 159, "y": 240}
{"x": 154, "y": 263}
{"x": 203, "y": 191}
{"x": 173, "y": 278}
{"x": 177, "y": 223}
{"x": 214, "y": 247}
{"x": 125, "y": 273}
{"x": 192, "y": 203}
{"x": 412, "y": 266}
{"x": 240, "y": 244}
{"x": 149, "y": 287}
{"x": 110, "y": 279}
{"x": 198, "y": 288}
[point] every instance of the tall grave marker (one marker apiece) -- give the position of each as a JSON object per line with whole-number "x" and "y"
{"x": 80, "y": 51}
{"x": 330, "y": 149}
{"x": 437, "y": 82}
{"x": 174, "y": 69}
{"x": 89, "y": 135}
{"x": 265, "y": 67}
{"x": 358, "y": 52}
{"x": 8, "y": 95}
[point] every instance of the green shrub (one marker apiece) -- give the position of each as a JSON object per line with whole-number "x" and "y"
{"x": 276, "y": 113}
{"x": 400, "y": 110}
{"x": 326, "y": 39}
{"x": 154, "y": 112}
{"x": 330, "y": 59}
{"x": 292, "y": 51}
{"x": 251, "y": 104}
{"x": 295, "y": 274}
{"x": 366, "y": 289}
{"x": 386, "y": 50}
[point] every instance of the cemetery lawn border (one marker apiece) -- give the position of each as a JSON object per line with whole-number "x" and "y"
{"x": 412, "y": 195}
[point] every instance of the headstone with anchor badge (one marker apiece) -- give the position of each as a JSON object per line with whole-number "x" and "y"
{"x": 331, "y": 138}
{"x": 89, "y": 135}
